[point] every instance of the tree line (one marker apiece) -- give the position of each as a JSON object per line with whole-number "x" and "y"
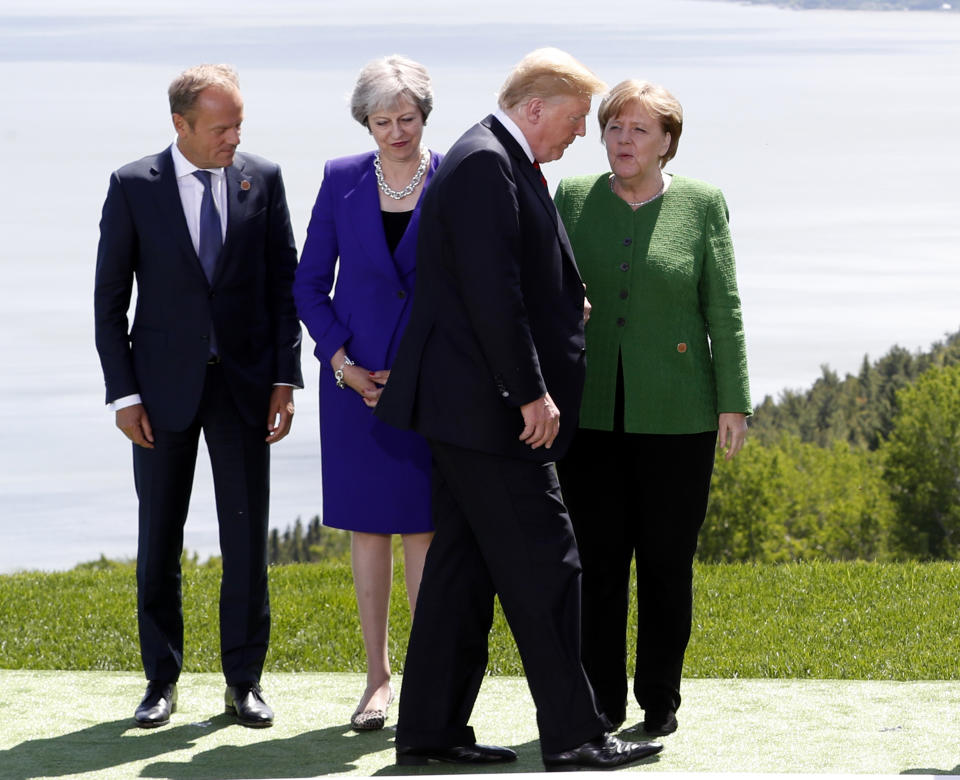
{"x": 864, "y": 467}
{"x": 861, "y": 468}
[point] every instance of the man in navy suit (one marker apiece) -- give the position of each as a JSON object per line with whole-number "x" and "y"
{"x": 493, "y": 354}
{"x": 214, "y": 347}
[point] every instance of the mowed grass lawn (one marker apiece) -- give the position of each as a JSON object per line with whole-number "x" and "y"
{"x": 854, "y": 621}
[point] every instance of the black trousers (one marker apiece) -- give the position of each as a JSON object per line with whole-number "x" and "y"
{"x": 500, "y": 529}
{"x": 240, "y": 460}
{"x": 643, "y": 497}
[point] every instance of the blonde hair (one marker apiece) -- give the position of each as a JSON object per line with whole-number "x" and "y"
{"x": 547, "y": 73}
{"x": 662, "y": 105}
{"x": 186, "y": 88}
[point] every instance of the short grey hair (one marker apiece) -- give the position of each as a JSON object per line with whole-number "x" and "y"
{"x": 382, "y": 83}
{"x": 186, "y": 88}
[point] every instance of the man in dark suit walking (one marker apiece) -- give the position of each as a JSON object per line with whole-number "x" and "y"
{"x": 214, "y": 347}
{"x": 492, "y": 355}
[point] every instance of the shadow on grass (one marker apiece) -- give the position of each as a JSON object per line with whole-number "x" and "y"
{"x": 528, "y": 760}
{"x": 312, "y": 753}
{"x": 928, "y": 771}
{"x": 321, "y": 752}
{"x": 100, "y": 747}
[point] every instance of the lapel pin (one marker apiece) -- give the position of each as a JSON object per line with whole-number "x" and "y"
{"x": 245, "y": 184}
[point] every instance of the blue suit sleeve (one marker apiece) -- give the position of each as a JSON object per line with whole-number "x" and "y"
{"x": 116, "y": 261}
{"x": 315, "y": 275}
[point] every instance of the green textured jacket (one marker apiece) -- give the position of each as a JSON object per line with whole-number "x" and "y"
{"x": 662, "y": 282}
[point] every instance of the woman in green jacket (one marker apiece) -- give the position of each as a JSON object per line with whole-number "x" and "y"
{"x": 666, "y": 379}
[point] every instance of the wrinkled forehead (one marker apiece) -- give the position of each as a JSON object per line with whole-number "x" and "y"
{"x": 401, "y": 103}
{"x": 573, "y": 104}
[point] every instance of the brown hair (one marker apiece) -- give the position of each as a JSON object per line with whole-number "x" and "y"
{"x": 186, "y": 88}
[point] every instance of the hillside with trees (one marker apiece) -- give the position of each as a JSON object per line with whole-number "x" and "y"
{"x": 861, "y": 467}
{"x": 864, "y": 467}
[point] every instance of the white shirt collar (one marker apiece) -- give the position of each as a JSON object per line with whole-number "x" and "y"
{"x": 183, "y": 167}
{"x": 515, "y": 131}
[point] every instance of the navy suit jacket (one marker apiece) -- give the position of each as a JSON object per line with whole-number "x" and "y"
{"x": 249, "y": 305}
{"x": 497, "y": 315}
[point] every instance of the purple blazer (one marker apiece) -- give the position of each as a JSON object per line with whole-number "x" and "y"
{"x": 374, "y": 290}
{"x": 363, "y": 459}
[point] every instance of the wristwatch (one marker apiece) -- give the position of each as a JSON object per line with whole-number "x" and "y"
{"x": 338, "y": 374}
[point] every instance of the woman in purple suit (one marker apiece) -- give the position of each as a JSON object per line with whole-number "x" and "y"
{"x": 363, "y": 232}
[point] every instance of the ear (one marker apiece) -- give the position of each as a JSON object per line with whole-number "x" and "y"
{"x": 533, "y": 110}
{"x": 180, "y": 124}
{"x": 665, "y": 146}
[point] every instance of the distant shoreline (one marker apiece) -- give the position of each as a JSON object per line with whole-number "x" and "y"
{"x": 858, "y": 5}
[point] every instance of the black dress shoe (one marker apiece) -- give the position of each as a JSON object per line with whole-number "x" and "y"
{"x": 461, "y": 754}
{"x": 660, "y": 723}
{"x": 246, "y": 702}
{"x": 604, "y": 752}
{"x": 158, "y": 702}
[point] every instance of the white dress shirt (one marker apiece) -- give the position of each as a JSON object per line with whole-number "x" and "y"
{"x": 191, "y": 194}
{"x": 515, "y": 131}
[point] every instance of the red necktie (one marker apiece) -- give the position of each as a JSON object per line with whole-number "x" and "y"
{"x": 542, "y": 177}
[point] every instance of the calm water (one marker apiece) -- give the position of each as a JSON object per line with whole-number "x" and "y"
{"x": 833, "y": 135}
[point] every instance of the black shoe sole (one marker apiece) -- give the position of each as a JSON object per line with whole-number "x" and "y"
{"x": 661, "y": 732}
{"x": 575, "y": 767}
{"x": 412, "y": 761}
{"x": 151, "y": 724}
{"x": 250, "y": 724}
{"x": 408, "y": 759}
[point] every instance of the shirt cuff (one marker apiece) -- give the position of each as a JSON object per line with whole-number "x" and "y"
{"x": 123, "y": 403}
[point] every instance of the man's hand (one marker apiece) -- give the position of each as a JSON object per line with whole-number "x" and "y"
{"x": 135, "y": 424}
{"x": 541, "y": 422}
{"x": 280, "y": 416}
{"x": 731, "y": 433}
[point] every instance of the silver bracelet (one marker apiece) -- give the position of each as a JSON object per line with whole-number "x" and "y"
{"x": 338, "y": 374}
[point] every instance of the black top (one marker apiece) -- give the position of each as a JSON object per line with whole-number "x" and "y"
{"x": 394, "y": 226}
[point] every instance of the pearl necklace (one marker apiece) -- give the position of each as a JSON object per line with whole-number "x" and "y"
{"x": 640, "y": 203}
{"x": 408, "y": 190}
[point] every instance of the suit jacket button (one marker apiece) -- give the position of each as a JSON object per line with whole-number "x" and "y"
{"x": 682, "y": 347}
{"x": 401, "y": 294}
{"x": 627, "y": 241}
{"x": 623, "y": 295}
{"x": 624, "y": 266}
{"x": 621, "y": 321}
{"x": 211, "y": 295}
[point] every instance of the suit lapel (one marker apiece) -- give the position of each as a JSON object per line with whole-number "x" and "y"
{"x": 239, "y": 185}
{"x": 362, "y": 204}
{"x": 532, "y": 176}
{"x": 170, "y": 207}
{"x": 405, "y": 257}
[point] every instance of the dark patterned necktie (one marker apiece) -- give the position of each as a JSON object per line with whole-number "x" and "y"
{"x": 542, "y": 177}
{"x": 211, "y": 238}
